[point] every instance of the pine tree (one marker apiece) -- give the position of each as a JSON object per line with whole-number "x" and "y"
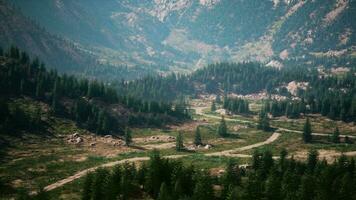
{"x": 203, "y": 188}
{"x": 197, "y": 137}
{"x": 273, "y": 186}
{"x": 230, "y": 179}
{"x": 307, "y": 132}
{"x": 335, "y": 137}
{"x": 233, "y": 194}
{"x": 213, "y": 106}
{"x": 128, "y": 137}
{"x": 312, "y": 160}
{"x": 55, "y": 97}
{"x": 263, "y": 122}
{"x": 179, "y": 142}
{"x": 218, "y": 99}
{"x": 87, "y": 187}
{"x": 222, "y": 128}
{"x": 164, "y": 194}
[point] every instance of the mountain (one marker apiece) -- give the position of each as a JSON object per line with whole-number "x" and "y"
{"x": 181, "y": 35}
{"x": 18, "y": 30}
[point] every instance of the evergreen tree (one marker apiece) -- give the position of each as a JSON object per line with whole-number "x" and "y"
{"x": 312, "y": 160}
{"x": 164, "y": 194}
{"x": 128, "y": 137}
{"x": 179, "y": 142}
{"x": 99, "y": 184}
{"x": 197, "y": 137}
{"x": 233, "y": 194}
{"x": 55, "y": 97}
{"x": 335, "y": 137}
{"x": 307, "y": 132}
{"x": 203, "y": 188}
{"x": 87, "y": 187}
{"x": 213, "y": 106}
{"x": 222, "y": 128}
{"x": 263, "y": 122}
{"x": 218, "y": 99}
{"x": 230, "y": 179}
{"x": 273, "y": 186}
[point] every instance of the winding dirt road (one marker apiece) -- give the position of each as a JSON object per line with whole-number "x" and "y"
{"x": 230, "y": 153}
{"x": 199, "y": 111}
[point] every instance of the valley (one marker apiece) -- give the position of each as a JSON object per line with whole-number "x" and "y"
{"x": 66, "y": 164}
{"x": 177, "y": 100}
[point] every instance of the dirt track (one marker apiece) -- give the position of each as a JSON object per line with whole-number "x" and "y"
{"x": 139, "y": 159}
{"x": 230, "y": 153}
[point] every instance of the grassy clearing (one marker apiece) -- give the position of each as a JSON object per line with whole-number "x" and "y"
{"x": 293, "y": 143}
{"x": 319, "y": 125}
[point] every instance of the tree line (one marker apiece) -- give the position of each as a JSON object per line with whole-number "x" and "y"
{"x": 266, "y": 178}
{"x": 89, "y": 102}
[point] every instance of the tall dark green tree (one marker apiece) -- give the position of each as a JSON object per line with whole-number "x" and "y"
{"x": 179, "y": 142}
{"x": 263, "y": 122}
{"x": 213, "y": 106}
{"x": 87, "y": 187}
{"x": 128, "y": 137}
{"x": 222, "y": 128}
{"x": 335, "y": 137}
{"x": 203, "y": 188}
{"x": 164, "y": 193}
{"x": 307, "y": 131}
{"x": 197, "y": 136}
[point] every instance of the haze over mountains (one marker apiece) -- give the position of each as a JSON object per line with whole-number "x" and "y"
{"x": 180, "y": 35}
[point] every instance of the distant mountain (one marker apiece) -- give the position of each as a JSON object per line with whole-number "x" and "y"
{"x": 181, "y": 35}
{"x": 18, "y": 30}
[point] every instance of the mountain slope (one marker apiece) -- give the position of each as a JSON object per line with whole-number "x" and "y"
{"x": 182, "y": 34}
{"x": 16, "y": 29}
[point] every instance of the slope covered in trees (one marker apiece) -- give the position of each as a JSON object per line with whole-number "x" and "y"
{"x": 92, "y": 104}
{"x": 331, "y": 95}
{"x": 267, "y": 179}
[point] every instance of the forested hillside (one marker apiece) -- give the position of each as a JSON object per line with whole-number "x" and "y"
{"x": 92, "y": 104}
{"x": 182, "y": 35}
{"x": 329, "y": 94}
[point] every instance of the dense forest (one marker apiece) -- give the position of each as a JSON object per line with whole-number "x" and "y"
{"x": 331, "y": 95}
{"x": 266, "y": 178}
{"x": 92, "y": 104}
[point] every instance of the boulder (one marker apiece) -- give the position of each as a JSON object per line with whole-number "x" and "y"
{"x": 78, "y": 140}
{"x": 75, "y": 135}
{"x": 208, "y": 146}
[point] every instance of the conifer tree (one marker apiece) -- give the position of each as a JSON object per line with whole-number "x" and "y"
{"x": 128, "y": 137}
{"x": 335, "y": 137}
{"x": 197, "y": 137}
{"x": 164, "y": 194}
{"x": 179, "y": 142}
{"x": 307, "y": 131}
{"x": 87, "y": 187}
{"x": 203, "y": 188}
{"x": 213, "y": 106}
{"x": 263, "y": 122}
{"x": 222, "y": 128}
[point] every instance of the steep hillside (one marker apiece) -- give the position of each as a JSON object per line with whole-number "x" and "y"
{"x": 182, "y": 34}
{"x": 91, "y": 104}
{"x": 18, "y": 30}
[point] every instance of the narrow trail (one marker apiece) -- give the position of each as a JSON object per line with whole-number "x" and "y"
{"x": 229, "y": 153}
{"x": 271, "y": 139}
{"x": 199, "y": 111}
